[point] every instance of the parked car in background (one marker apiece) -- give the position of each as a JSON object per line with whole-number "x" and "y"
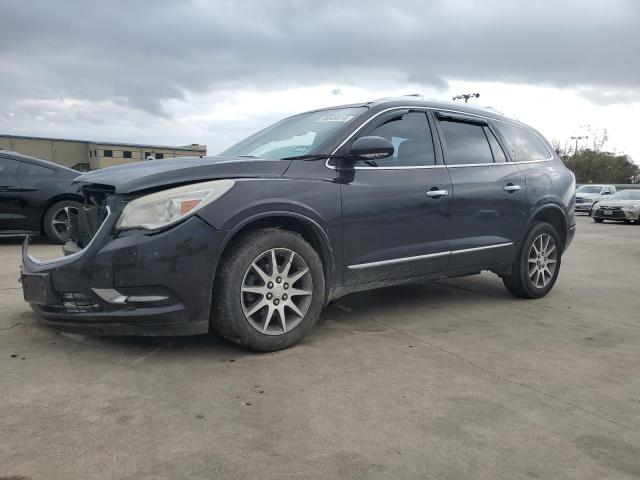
{"x": 254, "y": 243}
{"x": 36, "y": 197}
{"x": 624, "y": 206}
{"x": 588, "y": 195}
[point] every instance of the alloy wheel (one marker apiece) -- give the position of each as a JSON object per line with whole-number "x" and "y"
{"x": 61, "y": 220}
{"x": 276, "y": 291}
{"x": 543, "y": 257}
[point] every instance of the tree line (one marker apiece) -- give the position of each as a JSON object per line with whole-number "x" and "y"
{"x": 592, "y": 164}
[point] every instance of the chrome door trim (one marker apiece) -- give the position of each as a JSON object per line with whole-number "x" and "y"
{"x": 477, "y": 249}
{"x": 430, "y": 255}
{"x": 414, "y": 107}
{"x": 398, "y": 260}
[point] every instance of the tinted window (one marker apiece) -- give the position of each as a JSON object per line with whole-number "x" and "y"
{"x": 466, "y": 143}
{"x": 159, "y": 156}
{"x": 496, "y": 149}
{"x": 523, "y": 145}
{"x": 8, "y": 167}
{"x": 108, "y": 153}
{"x": 126, "y": 154}
{"x": 411, "y": 137}
{"x": 31, "y": 170}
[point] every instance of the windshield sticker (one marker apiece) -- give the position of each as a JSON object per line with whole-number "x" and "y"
{"x": 335, "y": 118}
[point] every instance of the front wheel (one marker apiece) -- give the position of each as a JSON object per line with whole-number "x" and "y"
{"x": 535, "y": 271}
{"x": 598, "y": 220}
{"x": 269, "y": 291}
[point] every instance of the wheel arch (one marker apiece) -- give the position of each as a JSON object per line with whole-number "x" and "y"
{"x": 555, "y": 216}
{"x": 309, "y": 229}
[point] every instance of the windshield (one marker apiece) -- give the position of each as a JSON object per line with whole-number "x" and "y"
{"x": 589, "y": 189}
{"x": 627, "y": 195}
{"x": 295, "y": 136}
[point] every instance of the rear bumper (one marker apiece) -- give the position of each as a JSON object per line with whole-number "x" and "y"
{"x": 133, "y": 283}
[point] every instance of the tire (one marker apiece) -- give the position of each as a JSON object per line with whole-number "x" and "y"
{"x": 521, "y": 282}
{"x": 56, "y": 220}
{"x": 598, "y": 220}
{"x": 627, "y": 222}
{"x": 239, "y": 289}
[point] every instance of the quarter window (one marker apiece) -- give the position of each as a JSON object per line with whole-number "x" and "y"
{"x": 466, "y": 143}
{"x": 523, "y": 144}
{"x": 411, "y": 138}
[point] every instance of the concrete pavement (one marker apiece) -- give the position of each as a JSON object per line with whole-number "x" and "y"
{"x": 448, "y": 380}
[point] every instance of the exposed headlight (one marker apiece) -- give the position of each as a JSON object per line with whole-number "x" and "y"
{"x": 631, "y": 208}
{"x": 164, "y": 208}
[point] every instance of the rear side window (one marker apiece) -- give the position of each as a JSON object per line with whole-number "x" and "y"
{"x": 496, "y": 149}
{"x": 466, "y": 143}
{"x": 411, "y": 138}
{"x": 31, "y": 170}
{"x": 8, "y": 167}
{"x": 523, "y": 145}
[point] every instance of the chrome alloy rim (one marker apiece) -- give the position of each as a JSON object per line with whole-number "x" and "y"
{"x": 543, "y": 257}
{"x": 276, "y": 291}
{"x": 61, "y": 221}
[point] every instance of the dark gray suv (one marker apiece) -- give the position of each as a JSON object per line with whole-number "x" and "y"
{"x": 256, "y": 241}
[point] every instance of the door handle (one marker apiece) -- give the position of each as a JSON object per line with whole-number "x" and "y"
{"x": 512, "y": 188}
{"x": 437, "y": 193}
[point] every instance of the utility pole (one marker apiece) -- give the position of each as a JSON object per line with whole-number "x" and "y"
{"x": 466, "y": 96}
{"x": 583, "y": 137}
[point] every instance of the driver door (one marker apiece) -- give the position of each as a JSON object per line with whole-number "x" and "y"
{"x": 396, "y": 211}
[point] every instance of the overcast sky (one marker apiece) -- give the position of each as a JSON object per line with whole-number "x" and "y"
{"x": 170, "y": 72}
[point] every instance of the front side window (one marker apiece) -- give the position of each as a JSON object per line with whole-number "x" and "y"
{"x": 411, "y": 138}
{"x": 31, "y": 170}
{"x": 296, "y": 136}
{"x": 8, "y": 167}
{"x": 466, "y": 143}
{"x": 523, "y": 144}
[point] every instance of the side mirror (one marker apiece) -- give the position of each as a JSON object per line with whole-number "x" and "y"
{"x": 371, "y": 148}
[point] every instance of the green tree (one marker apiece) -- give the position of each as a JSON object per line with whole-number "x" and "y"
{"x": 591, "y": 166}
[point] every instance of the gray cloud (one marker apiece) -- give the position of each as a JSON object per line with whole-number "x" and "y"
{"x": 143, "y": 53}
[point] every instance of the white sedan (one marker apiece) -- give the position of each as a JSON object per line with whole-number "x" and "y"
{"x": 623, "y": 206}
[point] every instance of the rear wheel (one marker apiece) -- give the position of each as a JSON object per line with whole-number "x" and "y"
{"x": 57, "y": 220}
{"x": 269, "y": 291}
{"x": 534, "y": 272}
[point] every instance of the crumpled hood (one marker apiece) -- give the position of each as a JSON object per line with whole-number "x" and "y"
{"x": 156, "y": 173}
{"x": 619, "y": 203}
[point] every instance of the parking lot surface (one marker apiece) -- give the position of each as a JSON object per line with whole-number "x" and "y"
{"x": 454, "y": 379}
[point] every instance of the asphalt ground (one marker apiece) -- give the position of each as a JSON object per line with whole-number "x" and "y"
{"x": 454, "y": 379}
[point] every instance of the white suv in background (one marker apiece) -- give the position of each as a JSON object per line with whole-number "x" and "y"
{"x": 588, "y": 195}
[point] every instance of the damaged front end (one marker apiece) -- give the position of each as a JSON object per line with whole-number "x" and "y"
{"x": 120, "y": 282}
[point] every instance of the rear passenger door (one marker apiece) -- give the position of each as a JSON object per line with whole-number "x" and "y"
{"x": 489, "y": 191}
